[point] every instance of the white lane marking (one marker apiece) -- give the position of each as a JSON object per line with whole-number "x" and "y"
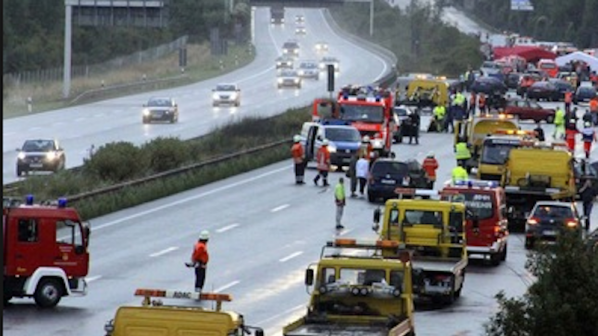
{"x": 191, "y": 198}
{"x": 58, "y": 123}
{"x": 291, "y": 256}
{"x": 385, "y": 67}
{"x": 284, "y": 313}
{"x": 228, "y": 227}
{"x": 93, "y": 278}
{"x": 344, "y": 232}
{"x": 35, "y": 128}
{"x": 278, "y": 208}
{"x": 97, "y": 115}
{"x": 227, "y": 286}
{"x": 164, "y": 251}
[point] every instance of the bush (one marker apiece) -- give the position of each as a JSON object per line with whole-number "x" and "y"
{"x": 117, "y": 162}
{"x": 165, "y": 153}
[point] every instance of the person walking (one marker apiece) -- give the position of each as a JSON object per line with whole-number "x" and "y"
{"x": 587, "y": 194}
{"x": 362, "y": 170}
{"x": 199, "y": 260}
{"x": 323, "y": 163}
{"x": 430, "y": 165}
{"x": 414, "y": 127}
{"x": 352, "y": 174}
{"x": 571, "y": 132}
{"x": 340, "y": 200}
{"x": 559, "y": 124}
{"x": 588, "y": 135}
{"x": 298, "y": 155}
{"x": 462, "y": 152}
{"x": 459, "y": 175}
{"x": 539, "y": 132}
{"x": 568, "y": 100}
{"x": 439, "y": 114}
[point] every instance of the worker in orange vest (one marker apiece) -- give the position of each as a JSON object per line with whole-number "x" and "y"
{"x": 568, "y": 100}
{"x": 482, "y": 103}
{"x": 199, "y": 260}
{"x": 571, "y": 132}
{"x": 298, "y": 155}
{"x": 472, "y": 104}
{"x": 594, "y": 110}
{"x": 323, "y": 163}
{"x": 430, "y": 165}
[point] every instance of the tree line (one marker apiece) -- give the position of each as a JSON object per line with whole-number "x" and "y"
{"x": 33, "y": 32}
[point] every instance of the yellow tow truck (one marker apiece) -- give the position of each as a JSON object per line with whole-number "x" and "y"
{"x": 356, "y": 291}
{"x": 475, "y": 129}
{"x": 155, "y": 318}
{"x": 434, "y": 231}
{"x": 426, "y": 93}
{"x": 536, "y": 173}
{"x": 495, "y": 150}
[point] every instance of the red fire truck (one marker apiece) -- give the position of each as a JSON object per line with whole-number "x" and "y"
{"x": 45, "y": 251}
{"x": 369, "y": 110}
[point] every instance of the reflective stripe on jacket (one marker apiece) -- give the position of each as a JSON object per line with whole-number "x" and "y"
{"x": 297, "y": 153}
{"x": 323, "y": 158}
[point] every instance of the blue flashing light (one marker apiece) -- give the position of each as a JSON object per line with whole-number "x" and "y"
{"x": 492, "y": 184}
{"x": 345, "y": 97}
{"x": 469, "y": 184}
{"x": 29, "y": 200}
{"x": 62, "y": 202}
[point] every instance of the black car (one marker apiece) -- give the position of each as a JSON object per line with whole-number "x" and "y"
{"x": 40, "y": 155}
{"x": 584, "y": 94}
{"x": 512, "y": 80}
{"x": 543, "y": 91}
{"x": 562, "y": 86}
{"x": 488, "y": 85}
{"x": 549, "y": 219}
{"x": 387, "y": 174}
{"x": 160, "y": 109}
{"x": 582, "y": 171}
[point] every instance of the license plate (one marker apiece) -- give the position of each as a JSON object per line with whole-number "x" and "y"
{"x": 385, "y": 181}
{"x": 157, "y": 114}
{"x": 549, "y": 233}
{"x": 347, "y": 160}
{"x": 36, "y": 165}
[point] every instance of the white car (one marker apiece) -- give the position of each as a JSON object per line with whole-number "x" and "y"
{"x": 309, "y": 69}
{"x": 229, "y": 94}
{"x": 321, "y": 47}
{"x": 288, "y": 78}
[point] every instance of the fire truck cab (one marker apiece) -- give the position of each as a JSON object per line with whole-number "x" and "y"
{"x": 45, "y": 252}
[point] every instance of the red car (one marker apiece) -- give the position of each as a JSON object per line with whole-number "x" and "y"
{"x": 529, "y": 109}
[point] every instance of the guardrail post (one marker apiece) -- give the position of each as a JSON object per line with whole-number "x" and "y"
{"x": 221, "y": 65}
{"x": 102, "y": 84}
{"x": 236, "y": 60}
{"x": 182, "y": 70}
{"x": 144, "y": 78}
{"x": 29, "y": 104}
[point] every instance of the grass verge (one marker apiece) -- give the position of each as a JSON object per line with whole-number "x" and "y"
{"x": 201, "y": 65}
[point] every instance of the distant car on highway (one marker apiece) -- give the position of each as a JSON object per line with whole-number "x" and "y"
{"x": 309, "y": 69}
{"x": 289, "y": 78}
{"x": 300, "y": 30}
{"x": 299, "y": 19}
{"x": 284, "y": 62}
{"x": 160, "y": 109}
{"x": 321, "y": 47}
{"x": 491, "y": 69}
{"x": 330, "y": 60}
{"x": 40, "y": 155}
{"x": 543, "y": 91}
{"x": 228, "y": 94}
{"x": 584, "y": 94}
{"x": 527, "y": 109}
{"x": 549, "y": 219}
{"x": 488, "y": 85}
{"x": 290, "y": 48}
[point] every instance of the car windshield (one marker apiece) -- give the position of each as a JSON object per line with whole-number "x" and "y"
{"x": 343, "y": 134}
{"x": 552, "y": 211}
{"x": 289, "y": 73}
{"x": 290, "y": 45}
{"x": 480, "y": 205}
{"x": 548, "y": 66}
{"x": 225, "y": 87}
{"x": 491, "y": 65}
{"x": 423, "y": 217}
{"x": 160, "y": 102}
{"x": 364, "y": 113}
{"x": 587, "y": 90}
{"x": 497, "y": 153}
{"x": 390, "y": 167}
{"x": 308, "y": 65}
{"x": 38, "y": 146}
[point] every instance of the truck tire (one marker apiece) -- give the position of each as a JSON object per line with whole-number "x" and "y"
{"x": 48, "y": 293}
{"x": 495, "y": 258}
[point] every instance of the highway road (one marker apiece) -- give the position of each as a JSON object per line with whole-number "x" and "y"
{"x": 77, "y": 128}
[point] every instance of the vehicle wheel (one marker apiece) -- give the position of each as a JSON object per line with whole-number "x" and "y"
{"x": 529, "y": 243}
{"x": 48, "y": 293}
{"x": 495, "y": 258}
{"x": 19, "y": 172}
{"x": 371, "y": 198}
{"x": 550, "y": 119}
{"x": 145, "y": 121}
{"x": 7, "y": 298}
{"x": 503, "y": 255}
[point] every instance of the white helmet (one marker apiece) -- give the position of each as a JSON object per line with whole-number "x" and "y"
{"x": 588, "y": 124}
{"x": 366, "y": 139}
{"x": 297, "y": 138}
{"x": 430, "y": 154}
{"x": 204, "y": 235}
{"x": 325, "y": 142}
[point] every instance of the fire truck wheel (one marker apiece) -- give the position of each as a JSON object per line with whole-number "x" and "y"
{"x": 48, "y": 293}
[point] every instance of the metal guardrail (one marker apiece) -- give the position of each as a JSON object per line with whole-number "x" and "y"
{"x": 389, "y": 56}
{"x": 102, "y": 91}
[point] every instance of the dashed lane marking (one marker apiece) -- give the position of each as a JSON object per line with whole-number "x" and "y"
{"x": 164, "y": 251}
{"x": 291, "y": 256}
{"x": 228, "y": 227}
{"x": 279, "y": 208}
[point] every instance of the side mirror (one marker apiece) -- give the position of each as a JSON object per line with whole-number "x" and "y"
{"x": 309, "y": 277}
{"x": 377, "y": 216}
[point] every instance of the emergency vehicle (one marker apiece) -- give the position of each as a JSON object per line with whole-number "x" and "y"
{"x": 486, "y": 229}
{"x": 549, "y": 66}
{"x": 45, "y": 252}
{"x": 153, "y": 317}
{"x": 495, "y": 151}
{"x": 355, "y": 291}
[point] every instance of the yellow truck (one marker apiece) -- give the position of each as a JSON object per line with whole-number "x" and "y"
{"x": 434, "y": 231}
{"x": 355, "y": 291}
{"x": 155, "y": 318}
{"x": 536, "y": 173}
{"x": 426, "y": 93}
{"x": 475, "y": 129}
{"x": 496, "y": 148}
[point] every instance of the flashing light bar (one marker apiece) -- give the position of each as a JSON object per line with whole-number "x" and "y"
{"x": 348, "y": 242}
{"x": 477, "y": 183}
{"x": 376, "y": 99}
{"x": 514, "y": 132}
{"x": 417, "y": 192}
{"x": 498, "y": 116}
{"x": 174, "y": 294}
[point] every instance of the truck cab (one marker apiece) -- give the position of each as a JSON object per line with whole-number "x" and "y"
{"x": 495, "y": 151}
{"x": 354, "y": 291}
{"x": 434, "y": 230}
{"x": 486, "y": 224}
{"x": 427, "y": 93}
{"x": 153, "y": 317}
{"x": 45, "y": 252}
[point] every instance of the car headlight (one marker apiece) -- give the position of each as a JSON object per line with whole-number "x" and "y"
{"x": 233, "y": 95}
{"x": 280, "y": 81}
{"x": 285, "y": 50}
{"x": 331, "y": 148}
{"x": 296, "y": 80}
{"x": 279, "y": 63}
{"x": 301, "y": 72}
{"x": 378, "y": 143}
{"x": 146, "y": 112}
{"x": 51, "y": 156}
{"x": 21, "y": 155}
{"x": 215, "y": 96}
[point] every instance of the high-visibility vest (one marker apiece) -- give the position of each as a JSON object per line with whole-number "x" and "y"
{"x": 559, "y": 117}
{"x": 459, "y": 174}
{"x": 323, "y": 159}
{"x": 439, "y": 112}
{"x": 461, "y": 151}
{"x": 297, "y": 153}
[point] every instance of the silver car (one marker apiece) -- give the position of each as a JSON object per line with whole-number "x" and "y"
{"x": 228, "y": 94}
{"x": 289, "y": 78}
{"x": 160, "y": 109}
{"x": 284, "y": 62}
{"x": 40, "y": 155}
{"x": 321, "y": 47}
{"x": 309, "y": 69}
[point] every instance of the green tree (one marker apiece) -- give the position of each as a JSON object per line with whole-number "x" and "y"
{"x": 563, "y": 300}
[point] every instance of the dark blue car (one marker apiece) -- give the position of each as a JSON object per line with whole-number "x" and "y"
{"x": 387, "y": 174}
{"x": 584, "y": 94}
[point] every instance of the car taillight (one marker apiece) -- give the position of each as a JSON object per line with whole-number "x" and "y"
{"x": 571, "y": 222}
{"x": 533, "y": 221}
{"x": 497, "y": 231}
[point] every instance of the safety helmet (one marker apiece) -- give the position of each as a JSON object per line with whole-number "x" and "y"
{"x": 430, "y": 154}
{"x": 296, "y": 138}
{"x": 204, "y": 235}
{"x": 366, "y": 139}
{"x": 325, "y": 142}
{"x": 587, "y": 124}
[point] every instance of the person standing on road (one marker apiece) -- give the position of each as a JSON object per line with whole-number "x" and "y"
{"x": 323, "y": 163}
{"x": 588, "y": 135}
{"x": 340, "y": 200}
{"x": 414, "y": 132}
{"x": 362, "y": 170}
{"x": 199, "y": 260}
{"x": 559, "y": 124}
{"x": 587, "y": 194}
{"x": 571, "y": 132}
{"x": 430, "y": 165}
{"x": 462, "y": 153}
{"x": 459, "y": 174}
{"x": 352, "y": 174}
{"x": 298, "y": 155}
{"x": 439, "y": 114}
{"x": 568, "y": 100}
